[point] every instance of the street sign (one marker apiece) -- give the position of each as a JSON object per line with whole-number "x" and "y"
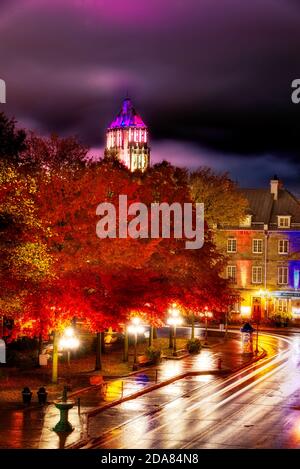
{"x": 286, "y": 294}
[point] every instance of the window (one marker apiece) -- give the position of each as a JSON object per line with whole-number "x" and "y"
{"x": 282, "y": 275}
{"x": 257, "y": 246}
{"x": 284, "y": 222}
{"x": 283, "y": 246}
{"x": 231, "y": 245}
{"x": 282, "y": 306}
{"x": 257, "y": 274}
{"x": 231, "y": 273}
{"x": 235, "y": 308}
{"x": 246, "y": 221}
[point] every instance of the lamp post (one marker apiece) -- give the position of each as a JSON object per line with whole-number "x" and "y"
{"x": 68, "y": 341}
{"x": 265, "y": 295}
{"x": 206, "y": 314}
{"x": 135, "y": 328}
{"x": 174, "y": 320}
{"x": 226, "y": 324}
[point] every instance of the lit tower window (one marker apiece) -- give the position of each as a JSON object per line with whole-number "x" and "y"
{"x": 122, "y": 136}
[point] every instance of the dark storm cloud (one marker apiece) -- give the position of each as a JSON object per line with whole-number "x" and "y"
{"x": 210, "y": 77}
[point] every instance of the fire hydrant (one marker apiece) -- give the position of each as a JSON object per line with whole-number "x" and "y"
{"x": 219, "y": 363}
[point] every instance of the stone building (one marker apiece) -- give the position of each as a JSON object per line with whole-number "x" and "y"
{"x": 264, "y": 254}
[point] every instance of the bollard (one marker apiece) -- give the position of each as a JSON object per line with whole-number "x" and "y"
{"x": 42, "y": 395}
{"x": 78, "y": 405}
{"x": 219, "y": 363}
{"x": 26, "y": 395}
{"x": 122, "y": 389}
{"x": 156, "y": 374}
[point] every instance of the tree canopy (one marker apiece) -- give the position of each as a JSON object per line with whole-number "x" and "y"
{"x": 55, "y": 268}
{"x": 224, "y": 204}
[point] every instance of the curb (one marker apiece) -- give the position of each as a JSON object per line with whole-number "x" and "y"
{"x": 149, "y": 388}
{"x": 170, "y": 381}
{"x": 144, "y": 391}
{"x": 96, "y": 411}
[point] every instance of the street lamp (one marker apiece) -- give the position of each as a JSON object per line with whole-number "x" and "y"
{"x": 69, "y": 341}
{"x": 174, "y": 320}
{"x": 135, "y": 328}
{"x": 206, "y": 315}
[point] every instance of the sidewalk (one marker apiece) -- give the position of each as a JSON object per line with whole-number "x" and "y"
{"x": 32, "y": 428}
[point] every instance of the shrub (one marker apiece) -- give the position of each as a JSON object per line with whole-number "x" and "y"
{"x": 193, "y": 345}
{"x": 153, "y": 354}
{"x": 23, "y": 344}
{"x": 21, "y": 359}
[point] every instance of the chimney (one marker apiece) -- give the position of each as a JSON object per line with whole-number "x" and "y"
{"x": 275, "y": 186}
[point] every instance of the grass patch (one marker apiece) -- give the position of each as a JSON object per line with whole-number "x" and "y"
{"x": 13, "y": 380}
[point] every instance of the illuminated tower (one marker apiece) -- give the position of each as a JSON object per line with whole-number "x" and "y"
{"x": 127, "y": 138}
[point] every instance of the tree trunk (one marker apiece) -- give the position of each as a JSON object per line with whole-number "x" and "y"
{"x": 125, "y": 357}
{"x": 102, "y": 342}
{"x": 193, "y": 327}
{"x": 39, "y": 349}
{"x": 55, "y": 358}
{"x": 151, "y": 336}
{"x": 98, "y": 364}
{"x": 170, "y": 337}
{"x": 154, "y": 332}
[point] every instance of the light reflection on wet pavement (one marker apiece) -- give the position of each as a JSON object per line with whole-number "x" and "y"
{"x": 33, "y": 428}
{"x": 263, "y": 414}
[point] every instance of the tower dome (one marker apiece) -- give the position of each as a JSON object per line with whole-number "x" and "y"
{"x": 127, "y": 138}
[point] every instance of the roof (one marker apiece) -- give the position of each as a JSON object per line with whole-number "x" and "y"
{"x": 265, "y": 210}
{"x": 260, "y": 204}
{"x": 127, "y": 117}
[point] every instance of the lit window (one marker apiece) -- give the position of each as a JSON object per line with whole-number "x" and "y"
{"x": 257, "y": 274}
{"x": 257, "y": 246}
{"x": 231, "y": 273}
{"x": 283, "y": 246}
{"x": 231, "y": 245}
{"x": 282, "y": 275}
{"x": 282, "y": 306}
{"x": 284, "y": 222}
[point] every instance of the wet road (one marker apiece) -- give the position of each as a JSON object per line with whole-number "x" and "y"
{"x": 32, "y": 427}
{"x": 258, "y": 407}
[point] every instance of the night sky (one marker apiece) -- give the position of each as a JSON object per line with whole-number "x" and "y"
{"x": 211, "y": 78}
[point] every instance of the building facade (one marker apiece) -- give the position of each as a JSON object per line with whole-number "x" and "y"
{"x": 263, "y": 255}
{"x": 127, "y": 138}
